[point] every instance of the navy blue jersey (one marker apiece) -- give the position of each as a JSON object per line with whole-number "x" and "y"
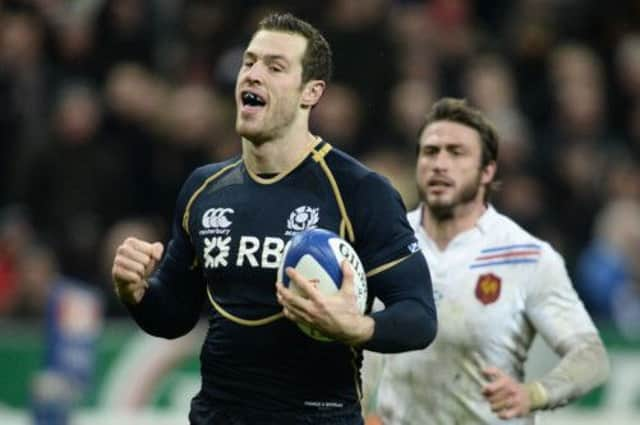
{"x": 230, "y": 230}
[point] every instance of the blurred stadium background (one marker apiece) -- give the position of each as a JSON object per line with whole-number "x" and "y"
{"x": 106, "y": 106}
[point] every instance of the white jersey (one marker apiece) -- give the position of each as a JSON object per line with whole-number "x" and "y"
{"x": 494, "y": 285}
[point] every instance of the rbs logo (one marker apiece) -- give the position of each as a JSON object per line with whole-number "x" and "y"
{"x": 251, "y": 251}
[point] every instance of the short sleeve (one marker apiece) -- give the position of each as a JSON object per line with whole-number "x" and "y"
{"x": 553, "y": 306}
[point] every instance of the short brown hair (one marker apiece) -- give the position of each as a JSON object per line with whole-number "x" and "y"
{"x": 317, "y": 62}
{"x": 459, "y": 111}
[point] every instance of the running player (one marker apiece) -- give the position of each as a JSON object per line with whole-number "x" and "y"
{"x": 231, "y": 224}
{"x": 495, "y": 287}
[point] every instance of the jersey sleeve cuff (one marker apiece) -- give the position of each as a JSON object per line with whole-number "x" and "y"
{"x": 537, "y": 395}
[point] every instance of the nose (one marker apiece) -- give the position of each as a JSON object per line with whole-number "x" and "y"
{"x": 441, "y": 161}
{"x": 255, "y": 73}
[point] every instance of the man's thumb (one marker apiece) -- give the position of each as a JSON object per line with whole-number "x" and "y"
{"x": 156, "y": 250}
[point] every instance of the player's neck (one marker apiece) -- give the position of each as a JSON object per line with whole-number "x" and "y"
{"x": 278, "y": 155}
{"x": 442, "y": 230}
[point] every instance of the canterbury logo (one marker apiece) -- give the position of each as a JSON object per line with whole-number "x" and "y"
{"x": 216, "y": 218}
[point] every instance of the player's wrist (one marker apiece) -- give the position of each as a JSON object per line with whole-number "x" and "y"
{"x": 364, "y": 328}
{"x": 538, "y": 396}
{"x": 131, "y": 296}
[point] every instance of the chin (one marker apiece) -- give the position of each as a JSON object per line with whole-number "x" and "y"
{"x": 256, "y": 136}
{"x": 246, "y": 129}
{"x": 439, "y": 201}
{"x": 441, "y": 210}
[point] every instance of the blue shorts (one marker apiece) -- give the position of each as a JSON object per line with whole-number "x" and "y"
{"x": 203, "y": 413}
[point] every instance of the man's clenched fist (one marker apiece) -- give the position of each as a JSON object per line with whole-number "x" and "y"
{"x": 134, "y": 261}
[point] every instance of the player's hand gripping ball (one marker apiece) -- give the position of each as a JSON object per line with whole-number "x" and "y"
{"x": 317, "y": 255}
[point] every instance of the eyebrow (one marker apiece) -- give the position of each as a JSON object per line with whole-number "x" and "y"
{"x": 267, "y": 57}
{"x": 450, "y": 145}
{"x": 445, "y": 144}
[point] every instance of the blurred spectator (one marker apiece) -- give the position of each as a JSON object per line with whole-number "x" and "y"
{"x": 626, "y": 309}
{"x": 489, "y": 85}
{"x": 633, "y": 130}
{"x": 398, "y": 169}
{"x": 578, "y": 143}
{"x": 74, "y": 185}
{"x": 411, "y": 99}
{"x": 38, "y": 271}
{"x": 197, "y": 130}
{"x": 72, "y": 317}
{"x": 626, "y": 74}
{"x": 124, "y": 33}
{"x": 205, "y": 34}
{"x": 607, "y": 272}
{"x": 134, "y": 94}
{"x": 364, "y": 58}
{"x": 623, "y": 179}
{"x": 74, "y": 50}
{"x": 195, "y": 117}
{"x": 530, "y": 31}
{"x": 16, "y": 234}
{"x": 23, "y": 74}
{"x": 135, "y": 100}
{"x": 412, "y": 35}
{"x": 452, "y": 17}
{"x": 9, "y": 141}
{"x": 339, "y": 119}
{"x": 525, "y": 197}
{"x": 579, "y": 99}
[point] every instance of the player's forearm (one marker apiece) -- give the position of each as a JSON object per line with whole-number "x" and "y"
{"x": 584, "y": 366}
{"x": 171, "y": 306}
{"x": 404, "y": 326}
{"x": 409, "y": 320}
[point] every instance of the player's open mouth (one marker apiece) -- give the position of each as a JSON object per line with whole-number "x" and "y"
{"x": 439, "y": 183}
{"x": 252, "y": 99}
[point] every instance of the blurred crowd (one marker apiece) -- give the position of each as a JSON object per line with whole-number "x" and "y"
{"x": 107, "y": 105}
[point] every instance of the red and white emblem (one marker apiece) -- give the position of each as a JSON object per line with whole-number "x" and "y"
{"x": 488, "y": 288}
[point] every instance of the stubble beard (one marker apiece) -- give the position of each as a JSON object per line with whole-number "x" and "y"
{"x": 272, "y": 127}
{"x": 443, "y": 211}
{"x": 248, "y": 132}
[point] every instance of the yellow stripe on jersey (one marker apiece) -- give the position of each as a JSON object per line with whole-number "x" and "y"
{"x": 318, "y": 156}
{"x": 240, "y": 321}
{"x": 386, "y": 266}
{"x": 283, "y": 174}
{"x": 356, "y": 373}
{"x": 185, "y": 216}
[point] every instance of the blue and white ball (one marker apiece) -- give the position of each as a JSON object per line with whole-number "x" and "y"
{"x": 317, "y": 255}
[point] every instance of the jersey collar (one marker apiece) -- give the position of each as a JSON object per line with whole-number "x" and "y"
{"x": 484, "y": 223}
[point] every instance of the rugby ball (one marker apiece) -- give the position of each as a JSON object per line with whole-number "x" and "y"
{"x": 317, "y": 254}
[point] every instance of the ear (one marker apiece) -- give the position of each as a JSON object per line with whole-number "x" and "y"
{"x": 489, "y": 172}
{"x": 312, "y": 93}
